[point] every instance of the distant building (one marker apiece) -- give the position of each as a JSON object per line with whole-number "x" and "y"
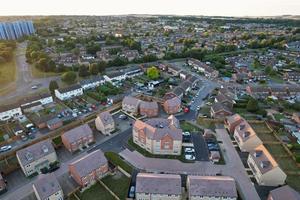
{"x": 77, "y": 138}
{"x": 15, "y": 30}
{"x": 88, "y": 169}
{"x": 264, "y": 167}
{"x": 47, "y": 187}
{"x": 69, "y": 92}
{"x": 54, "y": 123}
{"x": 158, "y": 186}
{"x": 105, "y": 123}
{"x": 92, "y": 82}
{"x": 284, "y": 192}
{"x": 36, "y": 157}
{"x": 211, "y": 187}
{"x": 158, "y": 135}
{"x": 203, "y": 67}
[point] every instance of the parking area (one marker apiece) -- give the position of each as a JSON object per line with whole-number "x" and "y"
{"x": 201, "y": 149}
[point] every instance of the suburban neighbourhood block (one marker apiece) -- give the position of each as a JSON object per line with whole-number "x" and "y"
{"x": 105, "y": 123}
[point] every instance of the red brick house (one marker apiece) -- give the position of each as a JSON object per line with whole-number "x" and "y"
{"x": 78, "y": 137}
{"x": 149, "y": 109}
{"x": 232, "y": 121}
{"x": 172, "y": 106}
{"x": 219, "y": 111}
{"x": 89, "y": 168}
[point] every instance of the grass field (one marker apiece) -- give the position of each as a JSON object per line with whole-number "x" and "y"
{"x": 95, "y": 192}
{"x": 294, "y": 181}
{"x": 119, "y": 180}
{"x": 7, "y": 73}
{"x": 36, "y": 73}
{"x": 186, "y": 126}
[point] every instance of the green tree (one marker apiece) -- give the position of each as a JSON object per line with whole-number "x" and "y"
{"x": 93, "y": 68}
{"x": 153, "y": 73}
{"x": 252, "y": 105}
{"x": 83, "y": 71}
{"x": 53, "y": 86}
{"x": 101, "y": 66}
{"x": 69, "y": 77}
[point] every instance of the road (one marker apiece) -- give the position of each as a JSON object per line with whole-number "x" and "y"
{"x": 24, "y": 80}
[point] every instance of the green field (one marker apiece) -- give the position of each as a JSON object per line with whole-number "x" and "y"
{"x": 119, "y": 180}
{"x": 36, "y": 73}
{"x": 95, "y": 192}
{"x": 7, "y": 73}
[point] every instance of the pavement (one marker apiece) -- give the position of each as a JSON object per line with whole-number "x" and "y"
{"x": 233, "y": 167}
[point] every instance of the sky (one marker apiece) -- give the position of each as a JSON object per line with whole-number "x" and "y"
{"x": 178, "y": 7}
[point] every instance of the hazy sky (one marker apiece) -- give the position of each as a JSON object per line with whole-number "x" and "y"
{"x": 180, "y": 7}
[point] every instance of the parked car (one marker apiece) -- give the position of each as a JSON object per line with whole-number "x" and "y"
{"x": 189, "y": 157}
{"x": 5, "y": 148}
{"x": 189, "y": 150}
{"x": 132, "y": 192}
{"x": 24, "y": 138}
{"x": 186, "y": 133}
{"x": 123, "y": 117}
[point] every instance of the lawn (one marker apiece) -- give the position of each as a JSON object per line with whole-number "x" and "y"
{"x": 95, "y": 192}
{"x": 294, "y": 181}
{"x": 287, "y": 164}
{"x": 36, "y": 73}
{"x": 276, "y": 149}
{"x": 115, "y": 159}
{"x": 121, "y": 181}
{"x": 186, "y": 126}
{"x": 278, "y": 116}
{"x": 7, "y": 73}
{"x": 206, "y": 123}
{"x": 205, "y": 110}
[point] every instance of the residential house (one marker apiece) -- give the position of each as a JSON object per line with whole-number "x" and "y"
{"x": 246, "y": 137}
{"x": 172, "y": 105}
{"x": 42, "y": 99}
{"x": 47, "y": 187}
{"x": 130, "y": 104}
{"x": 231, "y": 122}
{"x": 203, "y": 67}
{"x": 149, "y": 109}
{"x": 178, "y": 91}
{"x": 291, "y": 76}
{"x": 36, "y": 157}
{"x": 104, "y": 55}
{"x": 194, "y": 80}
{"x": 105, "y": 123}
{"x": 68, "y": 92}
{"x": 54, "y": 123}
{"x": 264, "y": 167}
{"x": 219, "y": 111}
{"x": 115, "y": 77}
{"x": 158, "y": 135}
{"x": 284, "y": 192}
{"x": 257, "y": 76}
{"x": 225, "y": 100}
{"x": 130, "y": 54}
{"x": 174, "y": 70}
{"x": 184, "y": 75}
{"x": 89, "y": 168}
{"x": 10, "y": 111}
{"x": 158, "y": 186}
{"x": 92, "y": 82}
{"x": 186, "y": 86}
{"x": 211, "y": 187}
{"x": 279, "y": 91}
{"x": 240, "y": 77}
{"x": 133, "y": 72}
{"x": 77, "y": 138}
{"x": 227, "y": 92}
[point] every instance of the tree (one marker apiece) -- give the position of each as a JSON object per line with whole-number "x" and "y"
{"x": 69, "y": 77}
{"x": 101, "y": 66}
{"x": 53, "y": 86}
{"x": 83, "y": 71}
{"x": 153, "y": 73}
{"x": 93, "y": 69}
{"x": 252, "y": 105}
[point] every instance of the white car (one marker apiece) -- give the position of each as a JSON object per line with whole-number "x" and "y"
{"x": 189, "y": 157}
{"x": 34, "y": 87}
{"x": 198, "y": 107}
{"x": 5, "y": 148}
{"x": 186, "y": 133}
{"x": 189, "y": 150}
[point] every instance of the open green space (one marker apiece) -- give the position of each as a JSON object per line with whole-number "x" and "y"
{"x": 121, "y": 181}
{"x": 36, "y": 73}
{"x": 115, "y": 159}
{"x": 186, "y": 126}
{"x": 276, "y": 149}
{"x": 287, "y": 163}
{"x": 7, "y": 73}
{"x": 206, "y": 123}
{"x": 95, "y": 192}
{"x": 294, "y": 181}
